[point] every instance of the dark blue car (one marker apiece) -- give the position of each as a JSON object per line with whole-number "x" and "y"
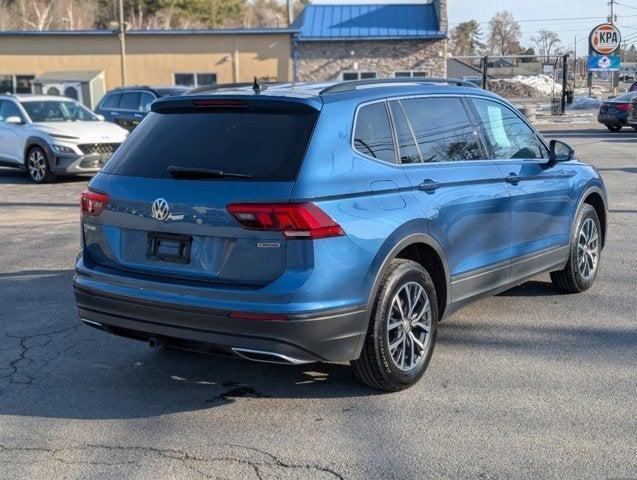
{"x": 127, "y": 106}
{"x": 330, "y": 222}
{"x": 614, "y": 113}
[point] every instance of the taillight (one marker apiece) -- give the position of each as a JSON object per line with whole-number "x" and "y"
{"x": 92, "y": 203}
{"x": 295, "y": 220}
{"x": 623, "y": 107}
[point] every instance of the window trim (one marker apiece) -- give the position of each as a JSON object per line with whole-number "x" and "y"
{"x": 194, "y": 76}
{"x": 473, "y": 119}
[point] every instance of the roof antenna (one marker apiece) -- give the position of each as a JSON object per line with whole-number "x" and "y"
{"x": 256, "y": 87}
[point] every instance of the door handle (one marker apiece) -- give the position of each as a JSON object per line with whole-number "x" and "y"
{"x": 113, "y": 114}
{"x": 138, "y": 115}
{"x": 428, "y": 186}
{"x": 512, "y": 178}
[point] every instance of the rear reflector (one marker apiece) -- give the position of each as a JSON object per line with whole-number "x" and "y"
{"x": 266, "y": 317}
{"x": 92, "y": 203}
{"x": 294, "y": 220}
{"x": 623, "y": 107}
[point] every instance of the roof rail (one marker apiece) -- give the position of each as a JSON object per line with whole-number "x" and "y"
{"x": 353, "y": 84}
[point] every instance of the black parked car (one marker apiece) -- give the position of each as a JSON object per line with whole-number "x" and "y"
{"x": 127, "y": 106}
{"x": 614, "y": 112}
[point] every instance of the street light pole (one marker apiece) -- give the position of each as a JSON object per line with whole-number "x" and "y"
{"x": 122, "y": 41}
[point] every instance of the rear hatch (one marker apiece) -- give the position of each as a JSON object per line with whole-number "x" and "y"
{"x": 169, "y": 185}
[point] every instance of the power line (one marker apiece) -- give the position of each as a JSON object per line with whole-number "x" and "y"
{"x": 567, "y": 19}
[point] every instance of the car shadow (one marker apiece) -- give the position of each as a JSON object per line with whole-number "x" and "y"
{"x": 18, "y": 176}
{"x": 533, "y": 288}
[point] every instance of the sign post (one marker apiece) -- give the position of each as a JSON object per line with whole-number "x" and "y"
{"x": 603, "y": 41}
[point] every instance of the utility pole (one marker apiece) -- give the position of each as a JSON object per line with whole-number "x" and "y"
{"x": 612, "y": 22}
{"x": 122, "y": 41}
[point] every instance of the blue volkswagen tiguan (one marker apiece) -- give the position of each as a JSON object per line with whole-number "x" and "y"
{"x": 329, "y": 222}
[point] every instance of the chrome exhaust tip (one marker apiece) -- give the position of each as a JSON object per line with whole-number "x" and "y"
{"x": 267, "y": 357}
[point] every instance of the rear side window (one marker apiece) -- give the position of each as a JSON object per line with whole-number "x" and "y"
{"x": 129, "y": 101}
{"x": 508, "y": 135}
{"x": 372, "y": 134}
{"x": 442, "y": 129}
{"x": 267, "y": 145}
{"x": 111, "y": 100}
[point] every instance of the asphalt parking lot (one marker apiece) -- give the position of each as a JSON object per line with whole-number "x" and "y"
{"x": 528, "y": 384}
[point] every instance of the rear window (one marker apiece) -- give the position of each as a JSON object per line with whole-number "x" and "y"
{"x": 265, "y": 145}
{"x": 111, "y": 100}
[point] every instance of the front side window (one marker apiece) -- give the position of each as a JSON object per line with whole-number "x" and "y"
{"x": 57, "y": 111}
{"x": 442, "y": 129}
{"x": 372, "y": 134}
{"x": 508, "y": 135}
{"x": 146, "y": 98}
{"x": 8, "y": 109}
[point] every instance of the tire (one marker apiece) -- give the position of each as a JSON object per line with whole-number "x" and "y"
{"x": 583, "y": 262}
{"x": 380, "y": 365}
{"x": 614, "y": 128}
{"x": 37, "y": 165}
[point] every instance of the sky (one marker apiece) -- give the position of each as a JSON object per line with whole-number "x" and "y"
{"x": 561, "y": 16}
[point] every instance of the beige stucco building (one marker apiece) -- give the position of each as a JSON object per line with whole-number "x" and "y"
{"x": 152, "y": 58}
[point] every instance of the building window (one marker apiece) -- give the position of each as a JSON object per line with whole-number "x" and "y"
{"x": 358, "y": 75}
{"x": 195, "y": 79}
{"x": 411, "y": 74}
{"x": 16, "y": 83}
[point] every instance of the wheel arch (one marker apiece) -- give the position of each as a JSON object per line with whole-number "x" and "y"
{"x": 37, "y": 142}
{"x": 423, "y": 249}
{"x": 596, "y": 198}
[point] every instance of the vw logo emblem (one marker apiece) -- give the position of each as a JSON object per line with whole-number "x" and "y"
{"x": 160, "y": 209}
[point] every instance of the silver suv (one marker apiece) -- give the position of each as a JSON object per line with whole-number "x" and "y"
{"x": 49, "y": 136}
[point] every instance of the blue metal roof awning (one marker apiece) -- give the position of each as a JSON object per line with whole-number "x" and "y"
{"x": 368, "y": 22}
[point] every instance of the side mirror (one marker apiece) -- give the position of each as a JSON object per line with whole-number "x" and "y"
{"x": 100, "y": 117}
{"x": 560, "y": 152}
{"x": 13, "y": 120}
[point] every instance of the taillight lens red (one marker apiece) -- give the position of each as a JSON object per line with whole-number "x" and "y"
{"x": 92, "y": 203}
{"x": 294, "y": 220}
{"x": 623, "y": 107}
{"x": 219, "y": 103}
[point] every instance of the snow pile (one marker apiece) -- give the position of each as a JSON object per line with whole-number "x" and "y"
{"x": 585, "y": 103}
{"x": 526, "y": 86}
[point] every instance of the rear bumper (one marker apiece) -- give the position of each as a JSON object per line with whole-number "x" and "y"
{"x": 328, "y": 336}
{"x": 609, "y": 119}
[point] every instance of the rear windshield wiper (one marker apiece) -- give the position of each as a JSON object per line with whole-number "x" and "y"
{"x": 202, "y": 173}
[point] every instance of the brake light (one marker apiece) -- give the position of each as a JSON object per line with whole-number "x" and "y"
{"x": 219, "y": 103}
{"x": 266, "y": 317}
{"x": 623, "y": 107}
{"x": 295, "y": 220}
{"x": 92, "y": 203}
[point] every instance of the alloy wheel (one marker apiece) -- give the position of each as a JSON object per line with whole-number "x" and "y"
{"x": 588, "y": 249}
{"x": 409, "y": 326}
{"x": 37, "y": 165}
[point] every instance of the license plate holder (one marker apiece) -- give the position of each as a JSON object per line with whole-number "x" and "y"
{"x": 169, "y": 247}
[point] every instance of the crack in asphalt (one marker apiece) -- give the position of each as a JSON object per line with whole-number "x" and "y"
{"x": 17, "y": 365}
{"x": 171, "y": 454}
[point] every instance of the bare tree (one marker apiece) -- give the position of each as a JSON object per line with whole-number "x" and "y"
{"x": 547, "y": 43}
{"x": 35, "y": 14}
{"x": 504, "y": 34}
